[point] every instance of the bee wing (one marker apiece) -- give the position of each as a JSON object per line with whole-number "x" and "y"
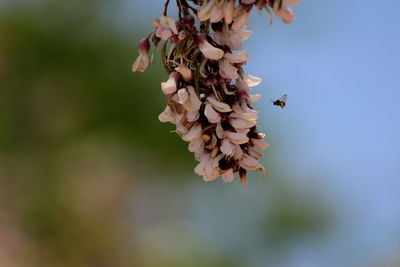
{"x": 284, "y": 98}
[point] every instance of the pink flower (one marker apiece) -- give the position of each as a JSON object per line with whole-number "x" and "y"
{"x": 261, "y": 144}
{"x": 209, "y": 51}
{"x": 194, "y": 132}
{"x": 241, "y": 20}
{"x": 204, "y": 13}
{"x": 219, "y": 106}
{"x": 211, "y": 114}
{"x": 185, "y": 72}
{"x": 142, "y": 62}
{"x": 167, "y": 116}
{"x": 226, "y": 68}
{"x": 193, "y": 103}
{"x": 287, "y": 15}
{"x": 228, "y": 176}
{"x": 227, "y": 147}
{"x": 237, "y": 138}
{"x": 233, "y": 39}
{"x": 217, "y": 12}
{"x": 243, "y": 120}
{"x": 180, "y": 128}
{"x": 208, "y": 167}
{"x": 229, "y": 9}
{"x": 201, "y": 167}
{"x": 254, "y": 98}
{"x": 254, "y": 154}
{"x": 249, "y": 163}
{"x": 182, "y": 96}
{"x": 251, "y": 80}
{"x": 197, "y": 147}
{"x": 169, "y": 87}
{"x": 238, "y": 152}
{"x": 166, "y": 27}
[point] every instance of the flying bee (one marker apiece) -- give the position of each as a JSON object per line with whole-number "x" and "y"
{"x": 281, "y": 102}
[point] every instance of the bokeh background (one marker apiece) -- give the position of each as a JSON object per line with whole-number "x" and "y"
{"x": 89, "y": 177}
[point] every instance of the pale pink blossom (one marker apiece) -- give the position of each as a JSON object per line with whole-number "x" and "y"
{"x": 227, "y": 147}
{"x": 238, "y": 152}
{"x": 254, "y": 154}
{"x": 181, "y": 96}
{"x": 165, "y": 27}
{"x": 169, "y": 87}
{"x": 243, "y": 131}
{"x": 249, "y": 163}
{"x": 228, "y": 176}
{"x": 196, "y": 144}
{"x": 241, "y": 124}
{"x": 142, "y": 62}
{"x": 204, "y": 12}
{"x": 186, "y": 73}
{"x": 254, "y": 98}
{"x": 229, "y": 9}
{"x": 167, "y": 116}
{"x": 193, "y": 116}
{"x": 211, "y": 114}
{"x": 261, "y": 144}
{"x": 217, "y": 12}
{"x": 197, "y": 147}
{"x": 219, "y": 131}
{"x": 241, "y": 20}
{"x": 237, "y": 138}
{"x": 209, "y": 51}
{"x": 216, "y": 160}
{"x": 200, "y": 168}
{"x": 193, "y": 104}
{"x": 180, "y": 128}
{"x": 227, "y": 70}
{"x": 232, "y": 39}
{"x": 206, "y": 168}
{"x": 237, "y": 57}
{"x": 287, "y": 15}
{"x": 251, "y": 80}
{"x": 194, "y": 132}
{"x": 219, "y": 106}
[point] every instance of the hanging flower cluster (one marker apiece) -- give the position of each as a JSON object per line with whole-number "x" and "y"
{"x": 209, "y": 94}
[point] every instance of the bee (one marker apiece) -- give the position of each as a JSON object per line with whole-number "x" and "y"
{"x": 281, "y": 102}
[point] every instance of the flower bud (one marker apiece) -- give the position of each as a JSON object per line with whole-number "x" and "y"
{"x": 189, "y": 21}
{"x": 185, "y": 72}
{"x": 143, "y": 60}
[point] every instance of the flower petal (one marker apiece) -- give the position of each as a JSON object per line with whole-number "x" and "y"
{"x": 194, "y": 132}
{"x": 211, "y": 114}
{"x": 221, "y": 107}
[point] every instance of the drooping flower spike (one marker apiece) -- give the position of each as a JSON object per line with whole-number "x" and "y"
{"x": 209, "y": 94}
